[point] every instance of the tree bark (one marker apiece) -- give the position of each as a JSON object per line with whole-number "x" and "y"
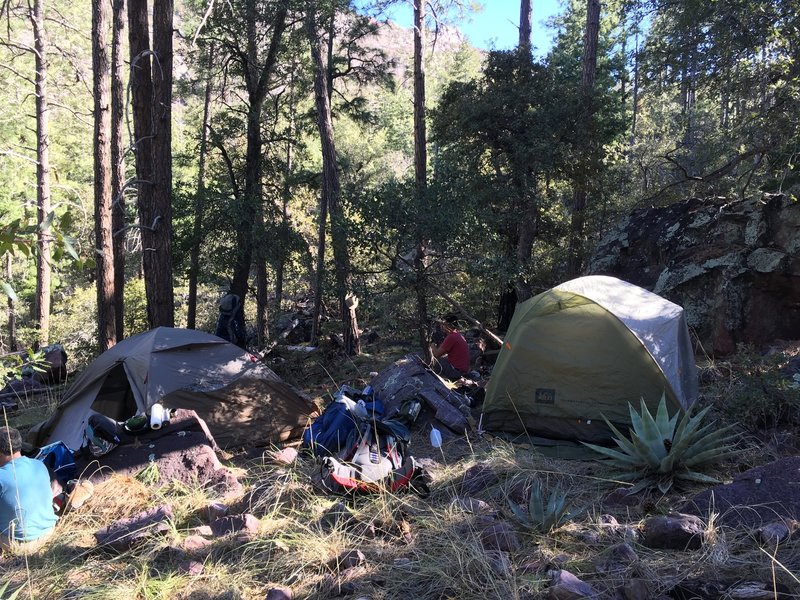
{"x": 43, "y": 268}
{"x": 420, "y": 178}
{"x": 12, "y": 309}
{"x": 579, "y": 195}
{"x": 199, "y": 203}
{"x": 104, "y": 251}
{"x": 161, "y": 299}
{"x": 257, "y": 79}
{"x": 331, "y": 191}
{"x": 525, "y": 27}
{"x": 118, "y": 164}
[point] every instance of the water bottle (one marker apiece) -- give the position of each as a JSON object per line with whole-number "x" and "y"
{"x": 436, "y": 437}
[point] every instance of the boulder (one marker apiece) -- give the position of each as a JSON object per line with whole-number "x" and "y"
{"x": 235, "y": 524}
{"x": 183, "y": 451}
{"x": 500, "y": 536}
{"x": 734, "y": 266}
{"x": 125, "y": 534}
{"x": 566, "y": 586}
{"x": 754, "y": 498}
{"x": 675, "y": 531}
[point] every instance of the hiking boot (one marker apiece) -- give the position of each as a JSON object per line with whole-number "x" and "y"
{"x": 80, "y": 493}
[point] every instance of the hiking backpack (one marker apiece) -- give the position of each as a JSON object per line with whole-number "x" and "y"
{"x": 374, "y": 459}
{"x": 331, "y": 430}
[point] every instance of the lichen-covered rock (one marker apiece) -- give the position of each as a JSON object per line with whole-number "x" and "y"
{"x": 734, "y": 266}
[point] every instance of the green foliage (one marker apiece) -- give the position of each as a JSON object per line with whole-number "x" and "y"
{"x": 15, "y": 366}
{"x": 5, "y": 594}
{"x": 755, "y": 391}
{"x": 543, "y": 515}
{"x": 658, "y": 454}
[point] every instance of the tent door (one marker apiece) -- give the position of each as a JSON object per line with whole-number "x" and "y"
{"x": 115, "y": 398}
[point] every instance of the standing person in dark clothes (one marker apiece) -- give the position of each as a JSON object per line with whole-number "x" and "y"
{"x": 451, "y": 357}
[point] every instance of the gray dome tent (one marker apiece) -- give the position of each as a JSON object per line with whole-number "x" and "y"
{"x": 240, "y": 398}
{"x": 584, "y": 350}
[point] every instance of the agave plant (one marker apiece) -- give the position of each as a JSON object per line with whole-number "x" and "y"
{"x": 659, "y": 454}
{"x": 543, "y": 516}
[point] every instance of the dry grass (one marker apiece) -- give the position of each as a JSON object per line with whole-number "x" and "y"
{"x": 421, "y": 548}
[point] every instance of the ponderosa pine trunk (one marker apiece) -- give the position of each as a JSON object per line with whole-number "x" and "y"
{"x": 420, "y": 179}
{"x": 331, "y": 191}
{"x": 104, "y": 250}
{"x": 118, "y": 163}
{"x": 257, "y": 77}
{"x": 161, "y": 296}
{"x": 12, "y": 308}
{"x": 199, "y": 203}
{"x": 580, "y": 186}
{"x": 43, "y": 269}
{"x": 525, "y": 27}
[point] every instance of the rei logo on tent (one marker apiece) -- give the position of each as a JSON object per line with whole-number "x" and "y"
{"x": 544, "y": 396}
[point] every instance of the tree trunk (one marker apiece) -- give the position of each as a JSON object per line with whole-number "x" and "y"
{"x": 118, "y": 164}
{"x": 331, "y": 191}
{"x": 104, "y": 251}
{"x": 319, "y": 275}
{"x": 525, "y": 27}
{"x": 158, "y": 264}
{"x": 12, "y": 309}
{"x": 43, "y": 269}
{"x": 262, "y": 298}
{"x": 283, "y": 254}
{"x": 420, "y": 178}
{"x": 199, "y": 204}
{"x": 579, "y": 194}
{"x": 257, "y": 79}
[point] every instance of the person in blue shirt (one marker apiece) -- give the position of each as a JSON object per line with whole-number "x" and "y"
{"x": 26, "y": 499}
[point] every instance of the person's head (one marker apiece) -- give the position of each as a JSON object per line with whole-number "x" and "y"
{"x": 450, "y": 322}
{"x": 10, "y": 442}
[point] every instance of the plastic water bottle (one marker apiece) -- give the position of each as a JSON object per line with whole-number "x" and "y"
{"x": 436, "y": 437}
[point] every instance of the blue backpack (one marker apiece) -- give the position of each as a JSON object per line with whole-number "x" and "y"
{"x": 59, "y": 460}
{"x": 330, "y": 431}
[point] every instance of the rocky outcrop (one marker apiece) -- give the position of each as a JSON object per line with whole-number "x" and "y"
{"x": 733, "y": 265}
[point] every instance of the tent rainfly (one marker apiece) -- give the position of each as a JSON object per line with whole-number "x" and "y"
{"x": 584, "y": 350}
{"x": 240, "y": 398}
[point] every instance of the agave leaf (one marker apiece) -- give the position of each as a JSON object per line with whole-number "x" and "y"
{"x": 519, "y": 513}
{"x": 535, "y": 504}
{"x": 620, "y": 439}
{"x": 668, "y": 462}
{"x": 709, "y": 456}
{"x": 615, "y": 455}
{"x": 649, "y": 433}
{"x": 695, "y": 476}
{"x": 686, "y": 433}
{"x": 642, "y": 485}
{"x": 711, "y": 441}
{"x": 664, "y": 484}
{"x": 666, "y": 425}
{"x": 646, "y": 452}
{"x": 553, "y": 500}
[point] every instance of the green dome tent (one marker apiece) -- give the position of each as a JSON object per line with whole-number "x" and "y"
{"x": 584, "y": 350}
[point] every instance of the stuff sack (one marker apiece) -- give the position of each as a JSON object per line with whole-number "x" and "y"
{"x": 103, "y": 434}
{"x": 374, "y": 459}
{"x": 329, "y": 432}
{"x": 59, "y": 460}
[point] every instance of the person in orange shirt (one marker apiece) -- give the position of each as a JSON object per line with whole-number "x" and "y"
{"x": 451, "y": 357}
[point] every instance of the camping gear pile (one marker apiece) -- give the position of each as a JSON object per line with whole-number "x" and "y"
{"x": 361, "y": 451}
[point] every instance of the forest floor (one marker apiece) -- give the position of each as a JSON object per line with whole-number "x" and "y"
{"x": 408, "y": 547}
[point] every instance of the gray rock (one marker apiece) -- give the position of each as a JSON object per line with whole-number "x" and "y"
{"x": 246, "y": 523}
{"x": 500, "y": 536}
{"x": 124, "y": 534}
{"x": 675, "y": 531}
{"x": 732, "y": 265}
{"x": 280, "y": 593}
{"x": 755, "y": 497}
{"x": 636, "y": 589}
{"x": 348, "y": 559}
{"x": 216, "y": 510}
{"x": 196, "y": 545}
{"x": 478, "y": 478}
{"x": 337, "y": 515}
{"x": 473, "y": 505}
{"x": 566, "y": 586}
{"x": 499, "y": 563}
{"x": 775, "y": 533}
{"x": 286, "y": 456}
